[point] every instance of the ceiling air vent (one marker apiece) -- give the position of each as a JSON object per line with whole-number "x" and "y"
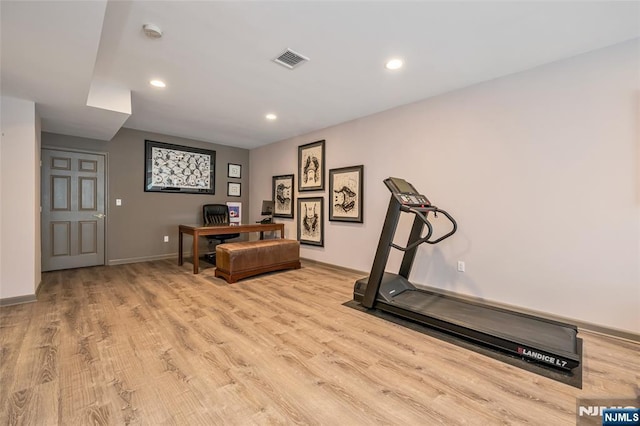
{"x": 290, "y": 59}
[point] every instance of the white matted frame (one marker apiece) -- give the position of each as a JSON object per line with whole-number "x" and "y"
{"x": 283, "y": 196}
{"x": 234, "y": 189}
{"x": 345, "y": 192}
{"x": 234, "y": 170}
{"x": 311, "y": 221}
{"x": 311, "y": 166}
{"x": 235, "y": 211}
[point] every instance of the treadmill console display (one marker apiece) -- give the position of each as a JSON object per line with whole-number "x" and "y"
{"x": 405, "y": 193}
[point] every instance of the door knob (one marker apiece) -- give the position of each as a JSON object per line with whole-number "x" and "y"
{"x": 100, "y": 215}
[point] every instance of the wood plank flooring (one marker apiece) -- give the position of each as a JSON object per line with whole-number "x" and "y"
{"x": 151, "y": 343}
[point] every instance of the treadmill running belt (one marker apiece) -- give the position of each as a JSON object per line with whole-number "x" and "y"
{"x": 491, "y": 321}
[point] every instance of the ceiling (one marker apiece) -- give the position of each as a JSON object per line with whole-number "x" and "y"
{"x": 87, "y": 64}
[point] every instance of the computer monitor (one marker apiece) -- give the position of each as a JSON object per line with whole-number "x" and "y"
{"x": 267, "y": 208}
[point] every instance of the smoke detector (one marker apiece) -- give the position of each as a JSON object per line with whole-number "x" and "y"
{"x": 152, "y": 31}
{"x": 290, "y": 59}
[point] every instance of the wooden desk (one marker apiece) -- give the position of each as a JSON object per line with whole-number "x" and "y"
{"x": 200, "y": 231}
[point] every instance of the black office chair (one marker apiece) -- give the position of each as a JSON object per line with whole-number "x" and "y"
{"x": 216, "y": 214}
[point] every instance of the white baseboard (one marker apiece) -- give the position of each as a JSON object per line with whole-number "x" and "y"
{"x": 584, "y": 325}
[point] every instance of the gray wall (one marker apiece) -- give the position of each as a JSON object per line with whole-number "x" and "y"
{"x": 135, "y": 230}
{"x": 539, "y": 168}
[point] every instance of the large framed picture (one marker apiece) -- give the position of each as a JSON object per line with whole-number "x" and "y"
{"x": 311, "y": 221}
{"x": 175, "y": 168}
{"x": 283, "y": 196}
{"x": 345, "y": 192}
{"x": 311, "y": 166}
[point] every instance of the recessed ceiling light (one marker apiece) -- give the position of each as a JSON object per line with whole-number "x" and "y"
{"x": 394, "y": 64}
{"x": 270, "y": 116}
{"x": 157, "y": 83}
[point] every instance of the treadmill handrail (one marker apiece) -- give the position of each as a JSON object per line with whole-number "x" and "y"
{"x": 425, "y": 239}
{"x": 453, "y": 230}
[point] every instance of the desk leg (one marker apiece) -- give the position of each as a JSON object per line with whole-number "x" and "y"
{"x": 180, "y": 258}
{"x": 194, "y": 251}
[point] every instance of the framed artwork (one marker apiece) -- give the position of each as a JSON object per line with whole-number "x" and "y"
{"x": 283, "y": 196}
{"x": 175, "y": 168}
{"x": 235, "y": 212}
{"x": 345, "y": 192}
{"x": 311, "y": 166}
{"x": 233, "y": 189}
{"x": 310, "y": 221}
{"x": 234, "y": 170}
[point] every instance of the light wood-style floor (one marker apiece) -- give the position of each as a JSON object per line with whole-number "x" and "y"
{"x": 150, "y": 343}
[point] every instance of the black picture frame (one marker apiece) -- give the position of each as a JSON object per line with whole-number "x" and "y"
{"x": 172, "y": 168}
{"x": 234, "y": 170}
{"x": 283, "y": 196}
{"x": 234, "y": 189}
{"x": 311, "y": 166}
{"x": 311, "y": 221}
{"x": 346, "y": 194}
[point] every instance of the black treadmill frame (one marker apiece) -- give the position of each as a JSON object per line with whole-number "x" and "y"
{"x": 371, "y": 299}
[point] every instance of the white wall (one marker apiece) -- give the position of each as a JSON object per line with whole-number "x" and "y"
{"x": 540, "y": 169}
{"x": 37, "y": 265}
{"x": 20, "y": 190}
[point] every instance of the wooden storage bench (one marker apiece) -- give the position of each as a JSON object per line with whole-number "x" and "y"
{"x": 235, "y": 261}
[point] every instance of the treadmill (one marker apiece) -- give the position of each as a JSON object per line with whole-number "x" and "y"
{"x": 546, "y": 342}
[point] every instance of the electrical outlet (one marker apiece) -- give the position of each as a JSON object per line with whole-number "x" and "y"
{"x": 118, "y": 202}
{"x": 460, "y": 266}
{"x": 166, "y": 238}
